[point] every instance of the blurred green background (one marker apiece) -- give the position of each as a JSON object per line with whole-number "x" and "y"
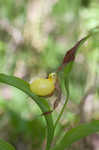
{"x": 34, "y": 37}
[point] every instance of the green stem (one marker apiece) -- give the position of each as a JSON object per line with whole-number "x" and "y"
{"x": 61, "y": 111}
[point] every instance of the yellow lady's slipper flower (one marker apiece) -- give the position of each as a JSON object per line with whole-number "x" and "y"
{"x": 44, "y": 86}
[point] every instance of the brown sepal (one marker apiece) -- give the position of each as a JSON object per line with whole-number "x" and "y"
{"x": 70, "y": 54}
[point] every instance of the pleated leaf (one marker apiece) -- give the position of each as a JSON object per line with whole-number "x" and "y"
{"x": 75, "y": 134}
{"x": 41, "y": 102}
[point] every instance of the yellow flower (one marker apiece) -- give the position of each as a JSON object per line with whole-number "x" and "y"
{"x": 44, "y": 86}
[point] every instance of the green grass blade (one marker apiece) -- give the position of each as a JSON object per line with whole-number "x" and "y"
{"x": 76, "y": 134}
{"x": 42, "y": 103}
{"x": 5, "y": 145}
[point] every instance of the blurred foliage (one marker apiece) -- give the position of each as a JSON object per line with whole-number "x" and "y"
{"x": 65, "y": 23}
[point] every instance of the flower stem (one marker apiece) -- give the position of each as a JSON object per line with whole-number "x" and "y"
{"x": 62, "y": 110}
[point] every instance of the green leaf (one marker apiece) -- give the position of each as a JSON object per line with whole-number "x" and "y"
{"x": 41, "y": 102}
{"x": 5, "y": 146}
{"x": 64, "y": 71}
{"x": 76, "y": 134}
{"x": 66, "y": 66}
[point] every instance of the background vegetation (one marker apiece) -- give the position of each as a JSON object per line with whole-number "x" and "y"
{"x": 34, "y": 37}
